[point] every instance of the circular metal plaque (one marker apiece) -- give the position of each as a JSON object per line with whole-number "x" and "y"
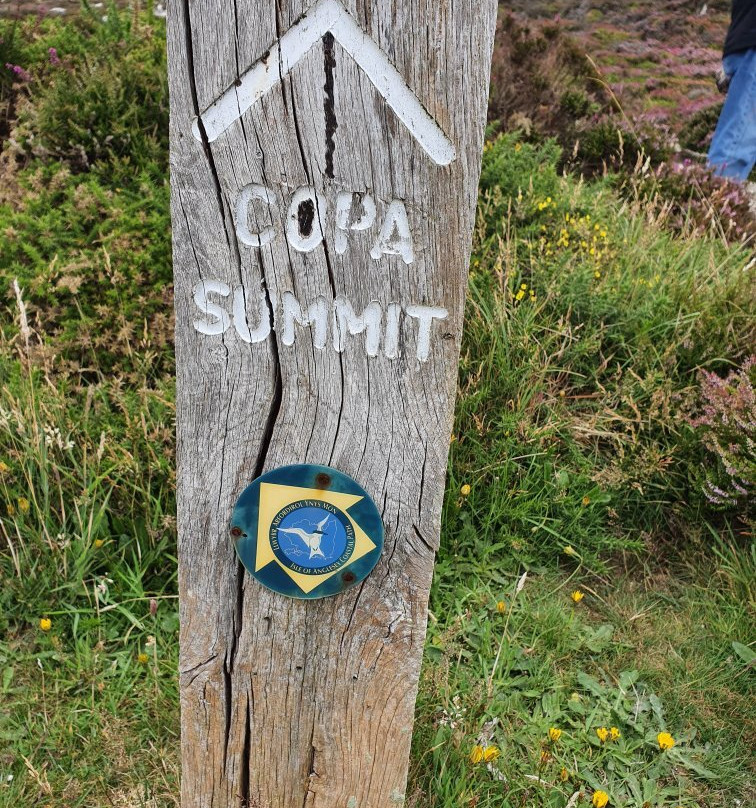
{"x": 307, "y": 531}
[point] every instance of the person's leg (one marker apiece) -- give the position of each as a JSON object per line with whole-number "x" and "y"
{"x": 733, "y": 147}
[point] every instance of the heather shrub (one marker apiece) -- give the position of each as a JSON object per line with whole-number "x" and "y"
{"x": 95, "y": 95}
{"x": 541, "y": 80}
{"x": 696, "y": 132}
{"x": 693, "y": 199}
{"x": 727, "y": 428}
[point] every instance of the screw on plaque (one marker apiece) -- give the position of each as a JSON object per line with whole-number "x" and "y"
{"x": 237, "y": 532}
{"x": 323, "y": 480}
{"x": 348, "y": 577}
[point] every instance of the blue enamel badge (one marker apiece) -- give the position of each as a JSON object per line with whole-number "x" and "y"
{"x": 307, "y": 531}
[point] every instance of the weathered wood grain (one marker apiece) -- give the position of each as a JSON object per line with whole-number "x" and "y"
{"x": 290, "y": 703}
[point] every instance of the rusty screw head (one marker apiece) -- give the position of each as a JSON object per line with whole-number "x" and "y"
{"x": 323, "y": 480}
{"x": 236, "y": 532}
{"x": 348, "y": 577}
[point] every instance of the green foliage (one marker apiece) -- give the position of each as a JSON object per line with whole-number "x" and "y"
{"x": 93, "y": 258}
{"x": 510, "y": 659}
{"x": 105, "y": 104}
{"x": 577, "y": 104}
{"x": 588, "y": 320}
{"x": 586, "y": 326}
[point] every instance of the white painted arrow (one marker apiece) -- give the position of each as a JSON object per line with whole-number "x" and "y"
{"x": 328, "y": 16}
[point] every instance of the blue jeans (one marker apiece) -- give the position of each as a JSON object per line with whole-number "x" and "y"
{"x": 733, "y": 148}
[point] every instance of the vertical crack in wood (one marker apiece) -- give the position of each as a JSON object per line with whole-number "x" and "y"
{"x": 329, "y": 106}
{"x": 244, "y": 796}
{"x": 309, "y": 794}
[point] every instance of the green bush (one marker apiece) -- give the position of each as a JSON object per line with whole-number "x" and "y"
{"x": 586, "y": 326}
{"x": 102, "y": 102}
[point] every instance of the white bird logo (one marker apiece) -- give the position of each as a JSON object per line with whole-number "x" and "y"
{"x": 312, "y": 540}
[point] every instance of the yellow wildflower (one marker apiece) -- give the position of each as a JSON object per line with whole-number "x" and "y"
{"x": 665, "y": 740}
{"x": 23, "y": 505}
{"x": 586, "y": 501}
{"x": 577, "y": 596}
{"x": 569, "y": 551}
{"x": 555, "y": 734}
{"x": 45, "y": 623}
{"x": 98, "y": 543}
{"x": 603, "y": 734}
{"x": 490, "y": 753}
{"x": 614, "y": 733}
{"x": 564, "y": 775}
{"x": 476, "y": 755}
{"x": 465, "y": 490}
{"x": 11, "y": 508}
{"x": 142, "y": 658}
{"x": 501, "y": 607}
{"x": 600, "y": 799}
{"x": 4, "y": 467}
{"x": 518, "y": 147}
{"x": 520, "y": 295}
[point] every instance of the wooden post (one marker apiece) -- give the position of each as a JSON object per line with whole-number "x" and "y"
{"x": 325, "y": 156}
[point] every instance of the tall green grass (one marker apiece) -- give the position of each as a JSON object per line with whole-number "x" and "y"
{"x": 573, "y": 464}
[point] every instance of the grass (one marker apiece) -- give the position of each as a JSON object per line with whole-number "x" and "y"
{"x": 590, "y": 314}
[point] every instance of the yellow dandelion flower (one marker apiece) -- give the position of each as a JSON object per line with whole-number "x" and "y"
{"x": 520, "y": 295}
{"x": 45, "y": 623}
{"x": 665, "y": 741}
{"x": 465, "y": 490}
{"x": 555, "y": 734}
{"x": 142, "y": 658}
{"x": 518, "y": 147}
{"x": 98, "y": 543}
{"x": 23, "y": 505}
{"x": 4, "y": 467}
{"x": 490, "y": 753}
{"x": 564, "y": 775}
{"x": 11, "y": 508}
{"x": 577, "y": 596}
{"x": 597, "y": 274}
{"x": 614, "y": 733}
{"x": 603, "y": 734}
{"x": 501, "y": 607}
{"x": 586, "y": 501}
{"x": 600, "y": 799}
{"x": 569, "y": 551}
{"x": 476, "y": 755}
